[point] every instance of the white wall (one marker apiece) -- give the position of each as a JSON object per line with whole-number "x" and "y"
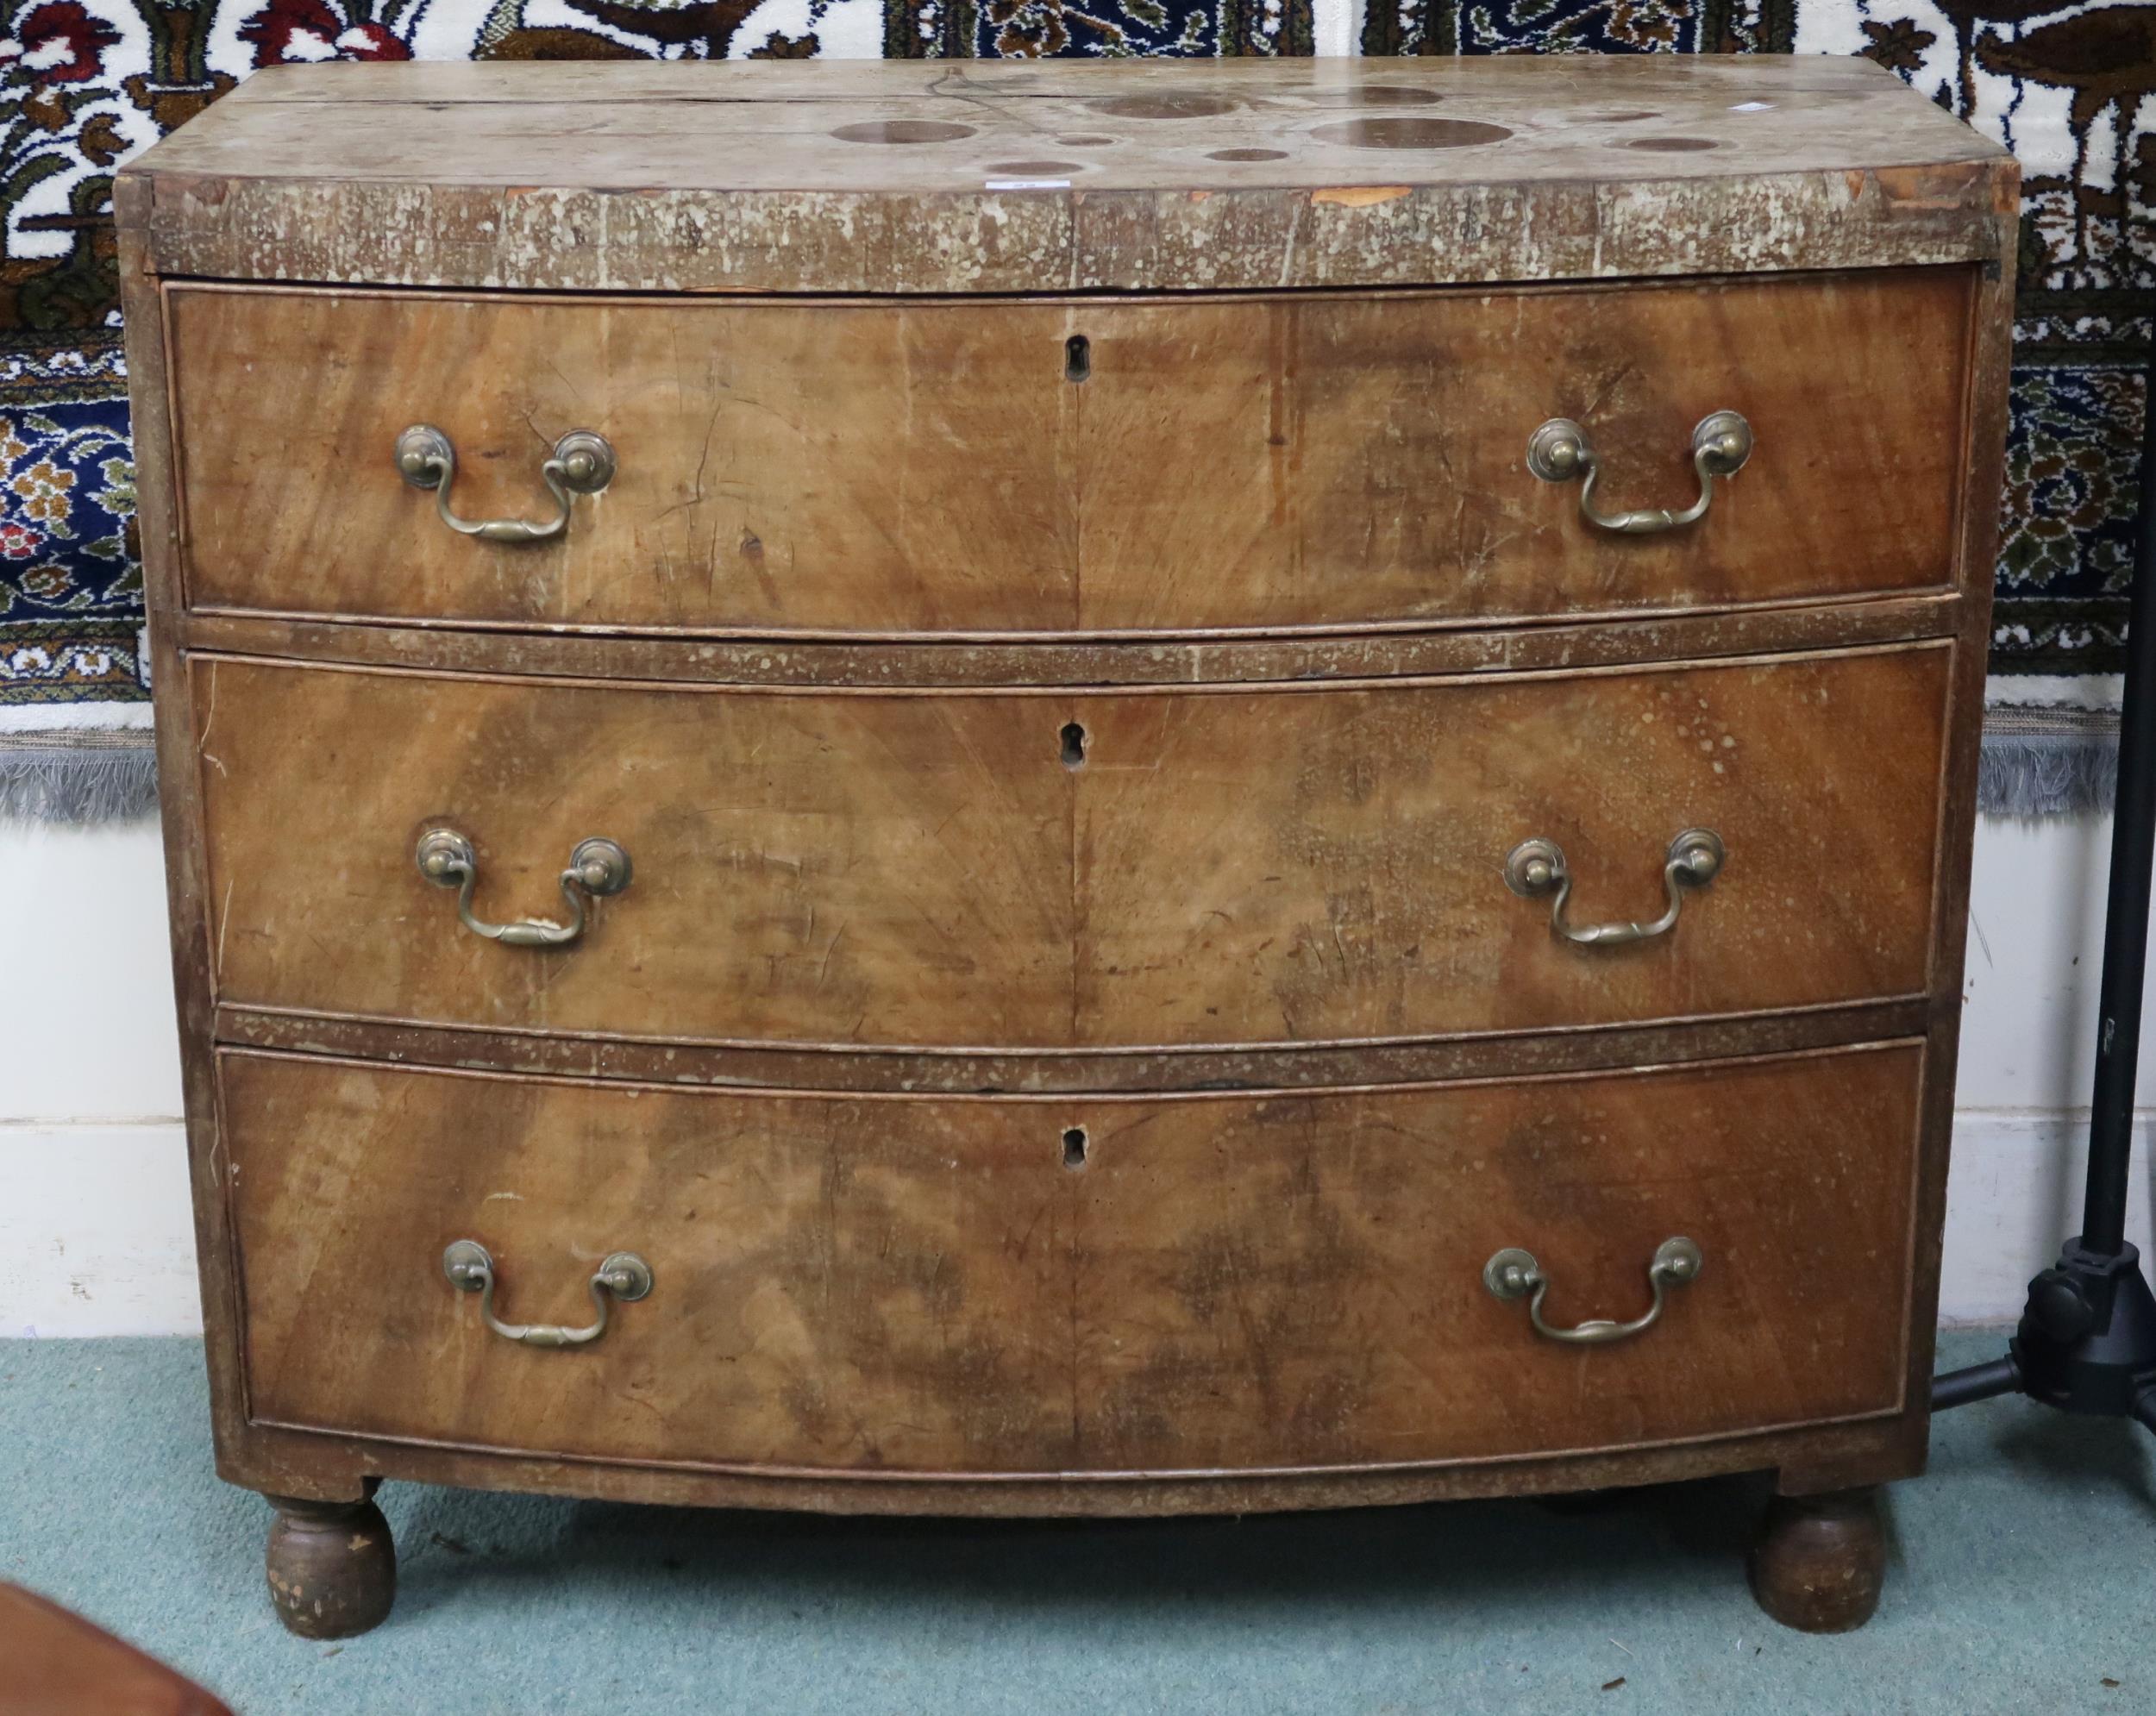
{"x": 95, "y": 1233}
{"x": 2028, "y": 1054}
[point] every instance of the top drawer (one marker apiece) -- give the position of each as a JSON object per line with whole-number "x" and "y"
{"x": 1038, "y": 466}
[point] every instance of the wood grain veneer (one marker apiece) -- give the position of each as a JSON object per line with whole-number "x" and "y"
{"x": 869, "y": 1286}
{"x": 1238, "y": 464}
{"x": 1221, "y": 866}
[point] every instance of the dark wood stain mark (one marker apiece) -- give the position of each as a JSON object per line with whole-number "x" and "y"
{"x": 1169, "y": 104}
{"x": 1412, "y": 133}
{"x": 902, "y": 131}
{"x": 1383, "y": 95}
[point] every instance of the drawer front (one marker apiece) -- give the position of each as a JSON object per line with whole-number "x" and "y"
{"x": 1306, "y": 461}
{"x": 1096, "y": 870}
{"x": 1000, "y": 1285}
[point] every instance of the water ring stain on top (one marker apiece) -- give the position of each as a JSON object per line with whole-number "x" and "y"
{"x": 1168, "y": 104}
{"x": 1404, "y": 131}
{"x": 902, "y": 131}
{"x": 1383, "y": 95}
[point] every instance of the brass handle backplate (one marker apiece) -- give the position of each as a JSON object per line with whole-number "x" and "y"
{"x": 1514, "y": 1274}
{"x": 624, "y": 1276}
{"x": 597, "y": 867}
{"x": 583, "y": 464}
{"x": 1536, "y": 869}
{"x": 1560, "y": 451}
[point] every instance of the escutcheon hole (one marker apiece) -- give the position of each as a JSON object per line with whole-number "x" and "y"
{"x": 1076, "y": 739}
{"x": 1077, "y": 358}
{"x": 1074, "y": 1148}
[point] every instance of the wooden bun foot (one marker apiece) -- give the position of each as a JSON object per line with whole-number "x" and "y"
{"x": 1821, "y": 1560}
{"x": 332, "y": 1567}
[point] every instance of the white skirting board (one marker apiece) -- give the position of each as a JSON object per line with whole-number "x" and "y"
{"x": 2014, "y": 1194}
{"x": 96, "y": 1234}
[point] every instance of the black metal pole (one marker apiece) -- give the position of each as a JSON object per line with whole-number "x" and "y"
{"x": 2087, "y": 1340}
{"x": 2125, "y": 913}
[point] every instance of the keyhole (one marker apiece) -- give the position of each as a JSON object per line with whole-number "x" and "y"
{"x": 1076, "y": 739}
{"x": 1077, "y": 358}
{"x": 1074, "y": 1148}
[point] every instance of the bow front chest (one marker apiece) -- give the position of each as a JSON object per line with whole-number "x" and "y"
{"x": 1068, "y": 789}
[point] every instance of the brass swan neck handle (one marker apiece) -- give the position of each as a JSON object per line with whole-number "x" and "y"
{"x": 597, "y": 867}
{"x": 624, "y": 1276}
{"x": 583, "y": 464}
{"x": 1514, "y": 1274}
{"x": 1560, "y": 451}
{"x": 1535, "y": 869}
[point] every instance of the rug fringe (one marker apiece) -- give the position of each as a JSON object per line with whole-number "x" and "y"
{"x": 2047, "y": 775}
{"x": 77, "y": 783}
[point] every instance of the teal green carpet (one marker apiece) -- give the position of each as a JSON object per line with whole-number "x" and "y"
{"x": 1995, "y": 1600}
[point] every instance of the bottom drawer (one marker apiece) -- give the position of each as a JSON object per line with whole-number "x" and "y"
{"x": 1006, "y": 1285}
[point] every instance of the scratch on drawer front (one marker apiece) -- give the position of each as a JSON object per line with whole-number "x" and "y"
{"x": 208, "y": 719}
{"x": 224, "y": 922}
{"x": 1287, "y": 251}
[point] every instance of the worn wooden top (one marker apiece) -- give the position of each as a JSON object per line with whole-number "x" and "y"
{"x": 1000, "y": 176}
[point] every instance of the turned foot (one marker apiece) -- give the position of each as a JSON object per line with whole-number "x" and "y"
{"x": 1820, "y": 1560}
{"x": 332, "y": 1567}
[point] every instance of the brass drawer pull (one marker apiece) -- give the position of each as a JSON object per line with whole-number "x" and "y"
{"x": 1514, "y": 1274}
{"x": 1559, "y": 451}
{"x": 1536, "y": 867}
{"x": 597, "y": 867}
{"x": 624, "y": 1276}
{"x": 583, "y": 464}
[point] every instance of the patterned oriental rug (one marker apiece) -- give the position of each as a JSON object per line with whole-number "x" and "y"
{"x": 86, "y": 83}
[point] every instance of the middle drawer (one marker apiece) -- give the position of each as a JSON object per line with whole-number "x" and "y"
{"x": 1050, "y": 869}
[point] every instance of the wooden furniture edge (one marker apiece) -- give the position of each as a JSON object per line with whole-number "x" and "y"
{"x": 975, "y": 242}
{"x": 185, "y": 847}
{"x": 1636, "y": 638}
{"x": 682, "y": 1063}
{"x": 1205, "y": 1093}
{"x": 1985, "y": 429}
{"x": 1310, "y": 686}
{"x": 286, "y": 1459}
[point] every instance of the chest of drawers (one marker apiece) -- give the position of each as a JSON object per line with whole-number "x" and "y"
{"x": 1064, "y": 790}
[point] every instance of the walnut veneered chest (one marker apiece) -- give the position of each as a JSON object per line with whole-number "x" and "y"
{"x": 1068, "y": 789}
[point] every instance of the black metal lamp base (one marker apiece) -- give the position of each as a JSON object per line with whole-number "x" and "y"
{"x": 2086, "y": 1342}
